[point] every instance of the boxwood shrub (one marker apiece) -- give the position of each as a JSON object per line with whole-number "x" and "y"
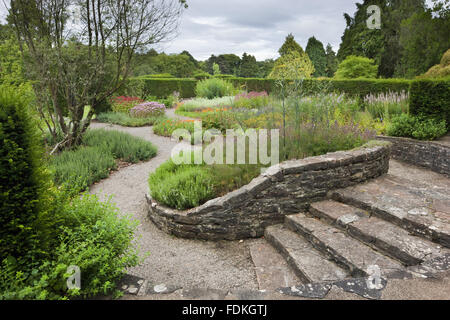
{"x": 431, "y": 99}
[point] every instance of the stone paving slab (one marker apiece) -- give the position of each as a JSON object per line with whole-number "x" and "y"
{"x": 422, "y": 211}
{"x": 343, "y": 249}
{"x": 272, "y": 271}
{"x": 308, "y": 263}
{"x": 382, "y": 235}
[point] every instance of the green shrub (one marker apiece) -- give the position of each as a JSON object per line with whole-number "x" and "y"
{"x": 357, "y": 67}
{"x": 199, "y": 104}
{"x": 159, "y": 76}
{"x": 24, "y": 182}
{"x": 95, "y": 159}
{"x": 201, "y": 75}
{"x": 214, "y": 88}
{"x": 126, "y": 120}
{"x": 92, "y": 236}
{"x": 181, "y": 187}
{"x": 84, "y": 166}
{"x": 122, "y": 145}
{"x": 188, "y": 185}
{"x": 416, "y": 127}
{"x": 431, "y": 99}
{"x": 160, "y": 88}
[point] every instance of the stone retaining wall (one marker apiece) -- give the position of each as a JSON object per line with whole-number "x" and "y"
{"x": 432, "y": 155}
{"x": 287, "y": 188}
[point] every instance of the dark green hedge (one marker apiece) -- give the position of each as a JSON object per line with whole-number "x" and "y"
{"x": 160, "y": 88}
{"x": 23, "y": 181}
{"x": 431, "y": 98}
{"x": 355, "y": 87}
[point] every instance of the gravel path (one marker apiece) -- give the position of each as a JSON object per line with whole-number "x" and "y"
{"x": 173, "y": 261}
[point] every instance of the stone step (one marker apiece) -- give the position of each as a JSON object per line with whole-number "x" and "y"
{"x": 377, "y": 233}
{"x": 348, "y": 252}
{"x": 272, "y": 270}
{"x": 421, "y": 210}
{"x": 309, "y": 264}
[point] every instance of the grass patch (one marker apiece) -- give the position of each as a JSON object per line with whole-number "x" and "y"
{"x": 97, "y": 156}
{"x": 126, "y": 120}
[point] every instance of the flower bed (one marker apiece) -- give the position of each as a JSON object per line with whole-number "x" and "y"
{"x": 283, "y": 189}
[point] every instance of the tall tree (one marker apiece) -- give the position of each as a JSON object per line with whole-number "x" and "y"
{"x": 316, "y": 52}
{"x": 292, "y": 66}
{"x": 249, "y": 67}
{"x": 290, "y": 45}
{"x": 424, "y": 37}
{"x": 358, "y": 39}
{"x": 84, "y": 65}
{"x": 332, "y": 62}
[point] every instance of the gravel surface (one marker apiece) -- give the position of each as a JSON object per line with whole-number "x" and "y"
{"x": 173, "y": 261}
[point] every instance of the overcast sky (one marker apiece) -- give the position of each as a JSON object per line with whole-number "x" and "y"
{"x": 258, "y": 27}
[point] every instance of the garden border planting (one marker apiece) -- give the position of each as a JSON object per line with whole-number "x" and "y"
{"x": 286, "y": 188}
{"x": 432, "y": 155}
{"x": 355, "y": 87}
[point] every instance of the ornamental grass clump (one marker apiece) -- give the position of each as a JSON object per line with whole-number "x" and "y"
{"x": 148, "y": 109}
{"x": 387, "y": 105}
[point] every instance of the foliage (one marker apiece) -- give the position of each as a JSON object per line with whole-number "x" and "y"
{"x": 312, "y": 139}
{"x": 126, "y": 120}
{"x": 44, "y": 229}
{"x": 316, "y": 52}
{"x": 251, "y": 100}
{"x": 289, "y": 46}
{"x": 124, "y": 104}
{"x": 165, "y": 128}
{"x": 248, "y": 67}
{"x": 24, "y": 182}
{"x": 441, "y": 70}
{"x": 423, "y": 39}
{"x": 354, "y": 67}
{"x": 91, "y": 235}
{"x": 386, "y": 105}
{"x": 187, "y": 186}
{"x": 160, "y": 88}
{"x": 199, "y": 104}
{"x": 214, "y": 88}
{"x": 417, "y": 127}
{"x": 201, "y": 75}
{"x": 74, "y": 67}
{"x": 181, "y": 187}
{"x": 331, "y": 62}
{"x": 96, "y": 157}
{"x": 292, "y": 65}
{"x": 431, "y": 99}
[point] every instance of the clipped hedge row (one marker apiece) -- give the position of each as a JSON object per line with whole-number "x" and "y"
{"x": 353, "y": 87}
{"x": 431, "y": 99}
{"x": 160, "y": 88}
{"x": 23, "y": 181}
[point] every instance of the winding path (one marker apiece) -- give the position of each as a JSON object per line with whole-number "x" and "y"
{"x": 173, "y": 261}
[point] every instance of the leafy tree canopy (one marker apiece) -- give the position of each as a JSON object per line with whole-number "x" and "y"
{"x": 316, "y": 52}
{"x": 357, "y": 67}
{"x": 293, "y": 65}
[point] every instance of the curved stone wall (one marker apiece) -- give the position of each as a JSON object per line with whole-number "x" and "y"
{"x": 429, "y": 154}
{"x": 287, "y": 188}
